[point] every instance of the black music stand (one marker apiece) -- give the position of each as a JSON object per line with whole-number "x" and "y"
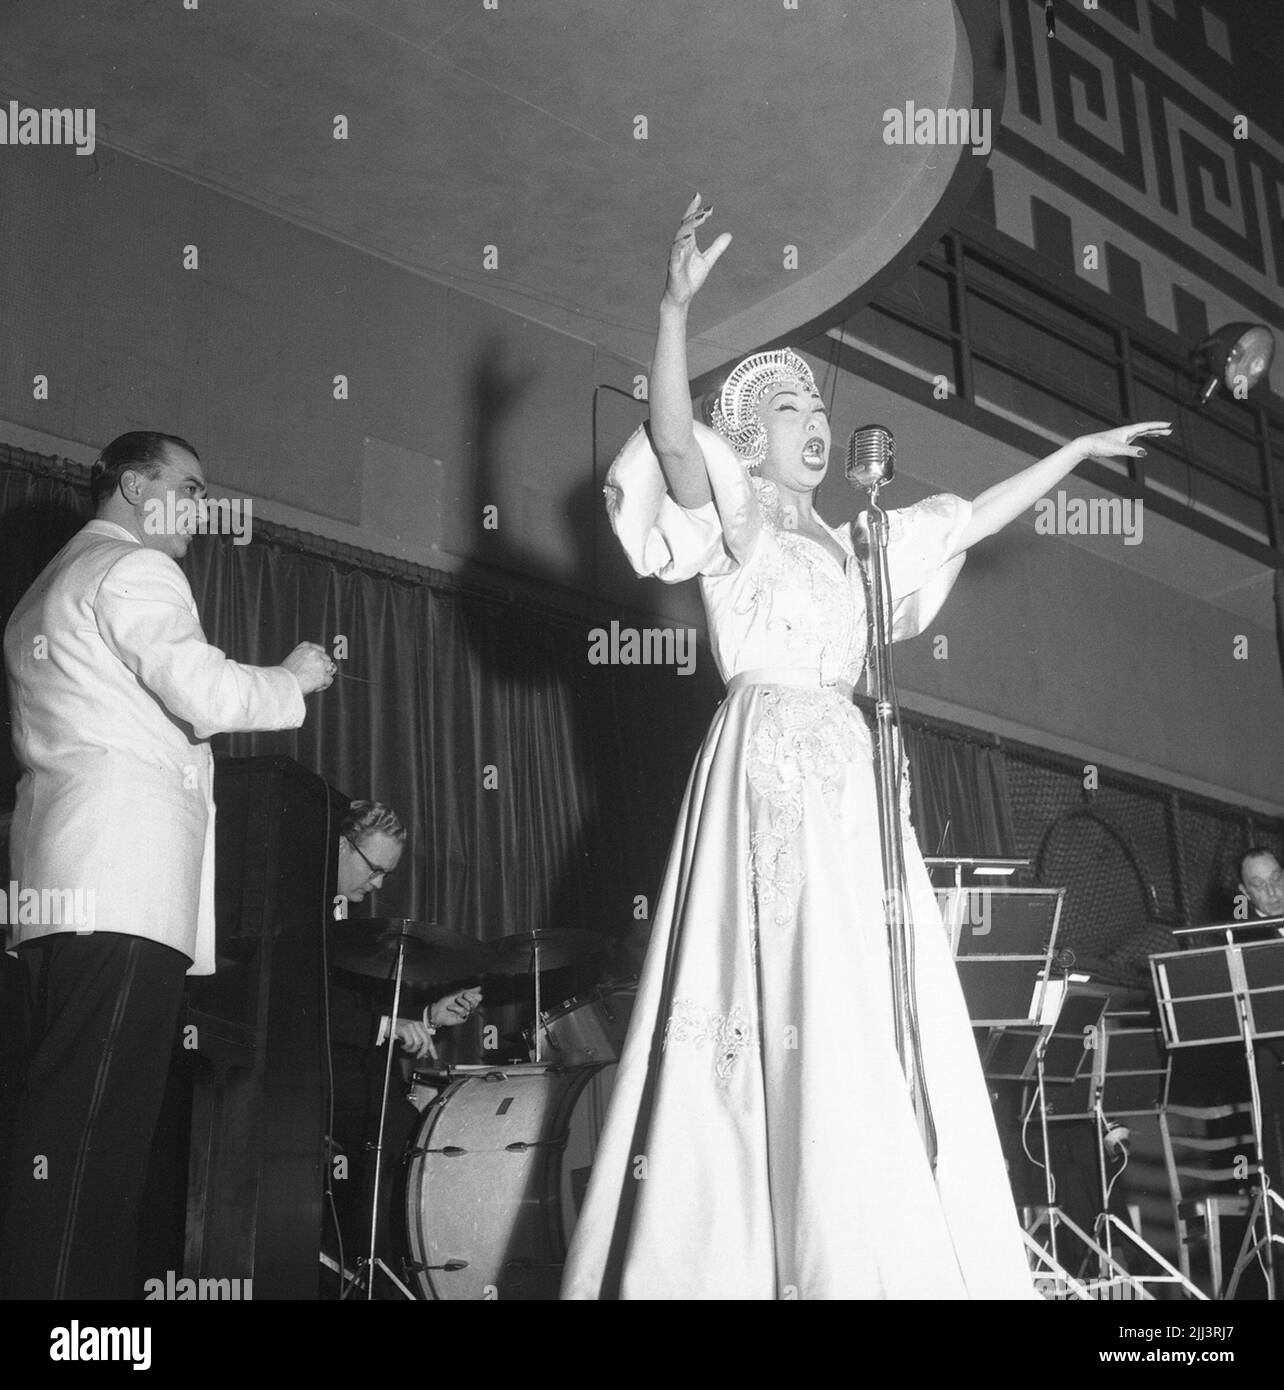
{"x": 1130, "y": 1076}
{"x": 1012, "y": 1054}
{"x": 1055, "y": 1053}
{"x": 1125, "y": 1072}
{"x": 1224, "y": 994}
{"x": 1003, "y": 941}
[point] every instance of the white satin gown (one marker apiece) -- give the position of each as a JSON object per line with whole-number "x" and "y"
{"x": 761, "y": 1142}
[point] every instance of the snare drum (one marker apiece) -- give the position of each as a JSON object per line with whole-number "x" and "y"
{"x": 497, "y": 1173}
{"x": 587, "y": 1029}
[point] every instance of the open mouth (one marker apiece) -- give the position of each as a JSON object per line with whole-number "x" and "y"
{"x": 815, "y": 451}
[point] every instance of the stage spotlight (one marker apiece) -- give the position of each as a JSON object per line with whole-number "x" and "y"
{"x": 1237, "y": 356}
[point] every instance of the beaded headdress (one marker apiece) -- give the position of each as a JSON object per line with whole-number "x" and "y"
{"x": 735, "y": 417}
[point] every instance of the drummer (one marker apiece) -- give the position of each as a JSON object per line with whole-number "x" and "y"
{"x": 371, "y": 842}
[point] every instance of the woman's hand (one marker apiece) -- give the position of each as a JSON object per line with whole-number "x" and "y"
{"x": 1112, "y": 443}
{"x": 688, "y": 265}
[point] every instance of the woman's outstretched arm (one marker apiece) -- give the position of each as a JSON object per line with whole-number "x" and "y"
{"x": 1005, "y": 501}
{"x": 671, "y": 434}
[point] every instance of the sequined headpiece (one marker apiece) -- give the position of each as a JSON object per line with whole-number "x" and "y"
{"x": 735, "y": 417}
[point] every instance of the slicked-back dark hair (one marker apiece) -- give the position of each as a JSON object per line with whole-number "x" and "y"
{"x": 140, "y": 450}
{"x": 364, "y": 818}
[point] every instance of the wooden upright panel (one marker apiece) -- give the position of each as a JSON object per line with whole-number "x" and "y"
{"x": 258, "y": 1115}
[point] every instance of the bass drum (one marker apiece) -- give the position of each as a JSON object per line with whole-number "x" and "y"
{"x": 496, "y": 1175}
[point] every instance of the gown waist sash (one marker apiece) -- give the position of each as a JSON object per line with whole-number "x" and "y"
{"x": 802, "y": 677}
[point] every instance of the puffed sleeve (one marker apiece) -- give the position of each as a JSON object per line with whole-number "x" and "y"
{"x": 673, "y": 543}
{"x": 146, "y": 617}
{"x": 921, "y": 561}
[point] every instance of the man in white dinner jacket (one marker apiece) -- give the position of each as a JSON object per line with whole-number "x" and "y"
{"x": 114, "y": 693}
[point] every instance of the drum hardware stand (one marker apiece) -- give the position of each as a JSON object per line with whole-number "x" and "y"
{"x": 371, "y": 1263}
{"x": 347, "y": 1278}
{"x": 870, "y": 468}
{"x": 539, "y": 1019}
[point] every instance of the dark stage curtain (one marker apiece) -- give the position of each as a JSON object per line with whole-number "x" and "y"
{"x": 538, "y": 790}
{"x": 963, "y": 785}
{"x": 39, "y": 513}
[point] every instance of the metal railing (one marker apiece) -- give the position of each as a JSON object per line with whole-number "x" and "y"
{"x": 1060, "y": 354}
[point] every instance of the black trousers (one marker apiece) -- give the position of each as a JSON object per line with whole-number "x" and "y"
{"x": 104, "y": 1008}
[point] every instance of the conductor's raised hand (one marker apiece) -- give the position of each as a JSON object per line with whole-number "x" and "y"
{"x": 688, "y": 265}
{"x": 1121, "y": 441}
{"x": 312, "y": 666}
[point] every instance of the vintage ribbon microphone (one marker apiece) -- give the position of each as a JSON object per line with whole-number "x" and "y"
{"x": 870, "y": 464}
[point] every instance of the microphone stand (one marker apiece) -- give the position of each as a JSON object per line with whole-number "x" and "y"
{"x": 896, "y": 904}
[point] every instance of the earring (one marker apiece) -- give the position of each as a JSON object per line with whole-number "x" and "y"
{"x": 757, "y": 450}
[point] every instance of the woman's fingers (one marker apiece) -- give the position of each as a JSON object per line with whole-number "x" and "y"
{"x": 694, "y": 216}
{"x": 1120, "y": 439}
{"x": 687, "y": 231}
{"x": 688, "y": 265}
{"x": 1144, "y": 431}
{"x": 718, "y": 247}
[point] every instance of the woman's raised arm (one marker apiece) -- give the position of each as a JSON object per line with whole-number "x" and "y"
{"x": 1005, "y": 501}
{"x": 671, "y": 434}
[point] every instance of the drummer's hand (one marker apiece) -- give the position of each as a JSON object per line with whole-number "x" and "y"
{"x": 455, "y": 1009}
{"x": 414, "y": 1037}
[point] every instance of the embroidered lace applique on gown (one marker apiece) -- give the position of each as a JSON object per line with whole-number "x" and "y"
{"x": 760, "y": 1141}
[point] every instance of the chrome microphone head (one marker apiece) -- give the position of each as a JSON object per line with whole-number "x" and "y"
{"x": 870, "y": 460}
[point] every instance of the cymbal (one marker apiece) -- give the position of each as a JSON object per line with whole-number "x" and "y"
{"x": 557, "y": 947}
{"x": 434, "y": 954}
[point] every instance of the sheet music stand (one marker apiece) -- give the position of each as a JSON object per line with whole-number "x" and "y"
{"x": 1125, "y": 1072}
{"x": 1054, "y": 1053}
{"x": 1012, "y": 1054}
{"x": 986, "y": 866}
{"x": 1223, "y": 994}
{"x": 1003, "y": 940}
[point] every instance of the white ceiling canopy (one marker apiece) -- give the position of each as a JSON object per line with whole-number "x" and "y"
{"x": 565, "y": 134}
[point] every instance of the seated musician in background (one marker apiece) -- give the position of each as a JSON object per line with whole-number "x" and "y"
{"x": 1261, "y": 881}
{"x": 371, "y": 841}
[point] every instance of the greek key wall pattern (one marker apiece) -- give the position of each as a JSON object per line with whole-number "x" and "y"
{"x": 1123, "y": 133}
